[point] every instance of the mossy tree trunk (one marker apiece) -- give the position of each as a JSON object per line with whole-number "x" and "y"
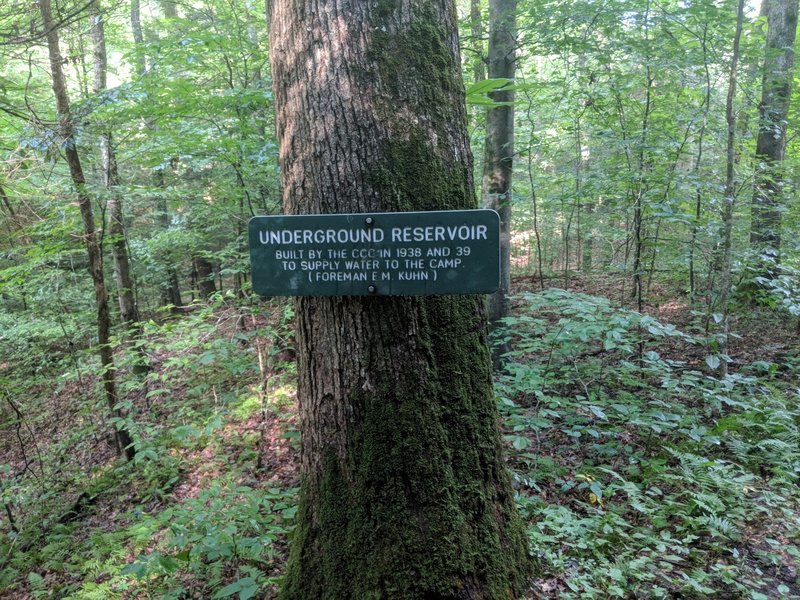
{"x": 404, "y": 492}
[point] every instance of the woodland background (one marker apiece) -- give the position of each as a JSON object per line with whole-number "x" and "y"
{"x": 650, "y": 399}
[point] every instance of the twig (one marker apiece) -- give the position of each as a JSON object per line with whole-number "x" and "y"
{"x": 20, "y": 421}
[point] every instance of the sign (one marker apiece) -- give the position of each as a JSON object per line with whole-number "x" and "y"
{"x": 376, "y": 254}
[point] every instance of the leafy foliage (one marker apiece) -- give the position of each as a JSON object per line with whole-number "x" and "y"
{"x": 642, "y": 473}
{"x": 175, "y": 526}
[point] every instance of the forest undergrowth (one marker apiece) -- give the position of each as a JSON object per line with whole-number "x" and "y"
{"x": 640, "y": 472}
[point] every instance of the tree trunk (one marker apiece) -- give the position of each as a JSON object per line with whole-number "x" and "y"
{"x": 476, "y": 27}
{"x": 698, "y": 161}
{"x": 642, "y": 184}
{"x": 534, "y": 201}
{"x": 205, "y": 277}
{"x": 169, "y": 8}
{"x": 119, "y": 248}
{"x": 170, "y": 287}
{"x": 729, "y": 200}
{"x": 404, "y": 493}
{"x": 587, "y": 248}
{"x": 776, "y": 90}
{"x": 140, "y": 63}
{"x": 122, "y": 437}
{"x": 499, "y": 150}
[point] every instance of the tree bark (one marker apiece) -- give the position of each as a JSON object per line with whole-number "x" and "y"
{"x": 119, "y": 248}
{"x": 404, "y": 493}
{"x": 205, "y": 277}
{"x": 729, "y": 200}
{"x": 698, "y": 161}
{"x": 170, "y": 287}
{"x": 140, "y": 63}
{"x": 642, "y": 183}
{"x": 169, "y": 8}
{"x": 122, "y": 437}
{"x": 776, "y": 91}
{"x": 476, "y": 27}
{"x": 499, "y": 150}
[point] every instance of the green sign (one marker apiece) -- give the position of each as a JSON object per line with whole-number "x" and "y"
{"x": 376, "y": 254}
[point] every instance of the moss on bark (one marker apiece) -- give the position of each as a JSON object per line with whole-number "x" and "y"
{"x": 412, "y": 176}
{"x": 404, "y": 493}
{"x": 421, "y": 506}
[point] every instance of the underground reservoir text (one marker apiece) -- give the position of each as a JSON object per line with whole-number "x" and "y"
{"x": 436, "y": 233}
{"x": 416, "y": 253}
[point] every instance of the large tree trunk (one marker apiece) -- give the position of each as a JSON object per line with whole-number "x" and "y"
{"x": 776, "y": 91}
{"x": 404, "y": 493}
{"x": 122, "y": 437}
{"x": 499, "y": 150}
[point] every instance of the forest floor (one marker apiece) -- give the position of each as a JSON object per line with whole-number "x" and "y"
{"x": 639, "y": 471}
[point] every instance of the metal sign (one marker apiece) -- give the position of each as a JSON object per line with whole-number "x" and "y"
{"x": 376, "y": 254}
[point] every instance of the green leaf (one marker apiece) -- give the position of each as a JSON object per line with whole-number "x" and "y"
{"x": 519, "y": 442}
{"x": 488, "y": 85}
{"x": 184, "y": 556}
{"x": 598, "y": 412}
{"x": 246, "y": 587}
{"x": 36, "y": 580}
{"x": 476, "y": 93}
{"x": 596, "y": 489}
{"x": 169, "y": 564}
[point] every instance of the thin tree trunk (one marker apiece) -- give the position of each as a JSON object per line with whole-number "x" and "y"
{"x": 588, "y": 212}
{"x": 653, "y": 256}
{"x": 169, "y": 8}
{"x": 14, "y": 218}
{"x": 119, "y": 249}
{"x": 587, "y": 249}
{"x": 638, "y": 207}
{"x": 122, "y": 437}
{"x": 140, "y": 63}
{"x": 7, "y": 203}
{"x": 170, "y": 288}
{"x": 403, "y": 490}
{"x": 698, "y": 205}
{"x": 729, "y": 198}
{"x": 499, "y": 150}
{"x": 205, "y": 277}
{"x": 532, "y": 183}
{"x": 476, "y": 26}
{"x": 566, "y": 231}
